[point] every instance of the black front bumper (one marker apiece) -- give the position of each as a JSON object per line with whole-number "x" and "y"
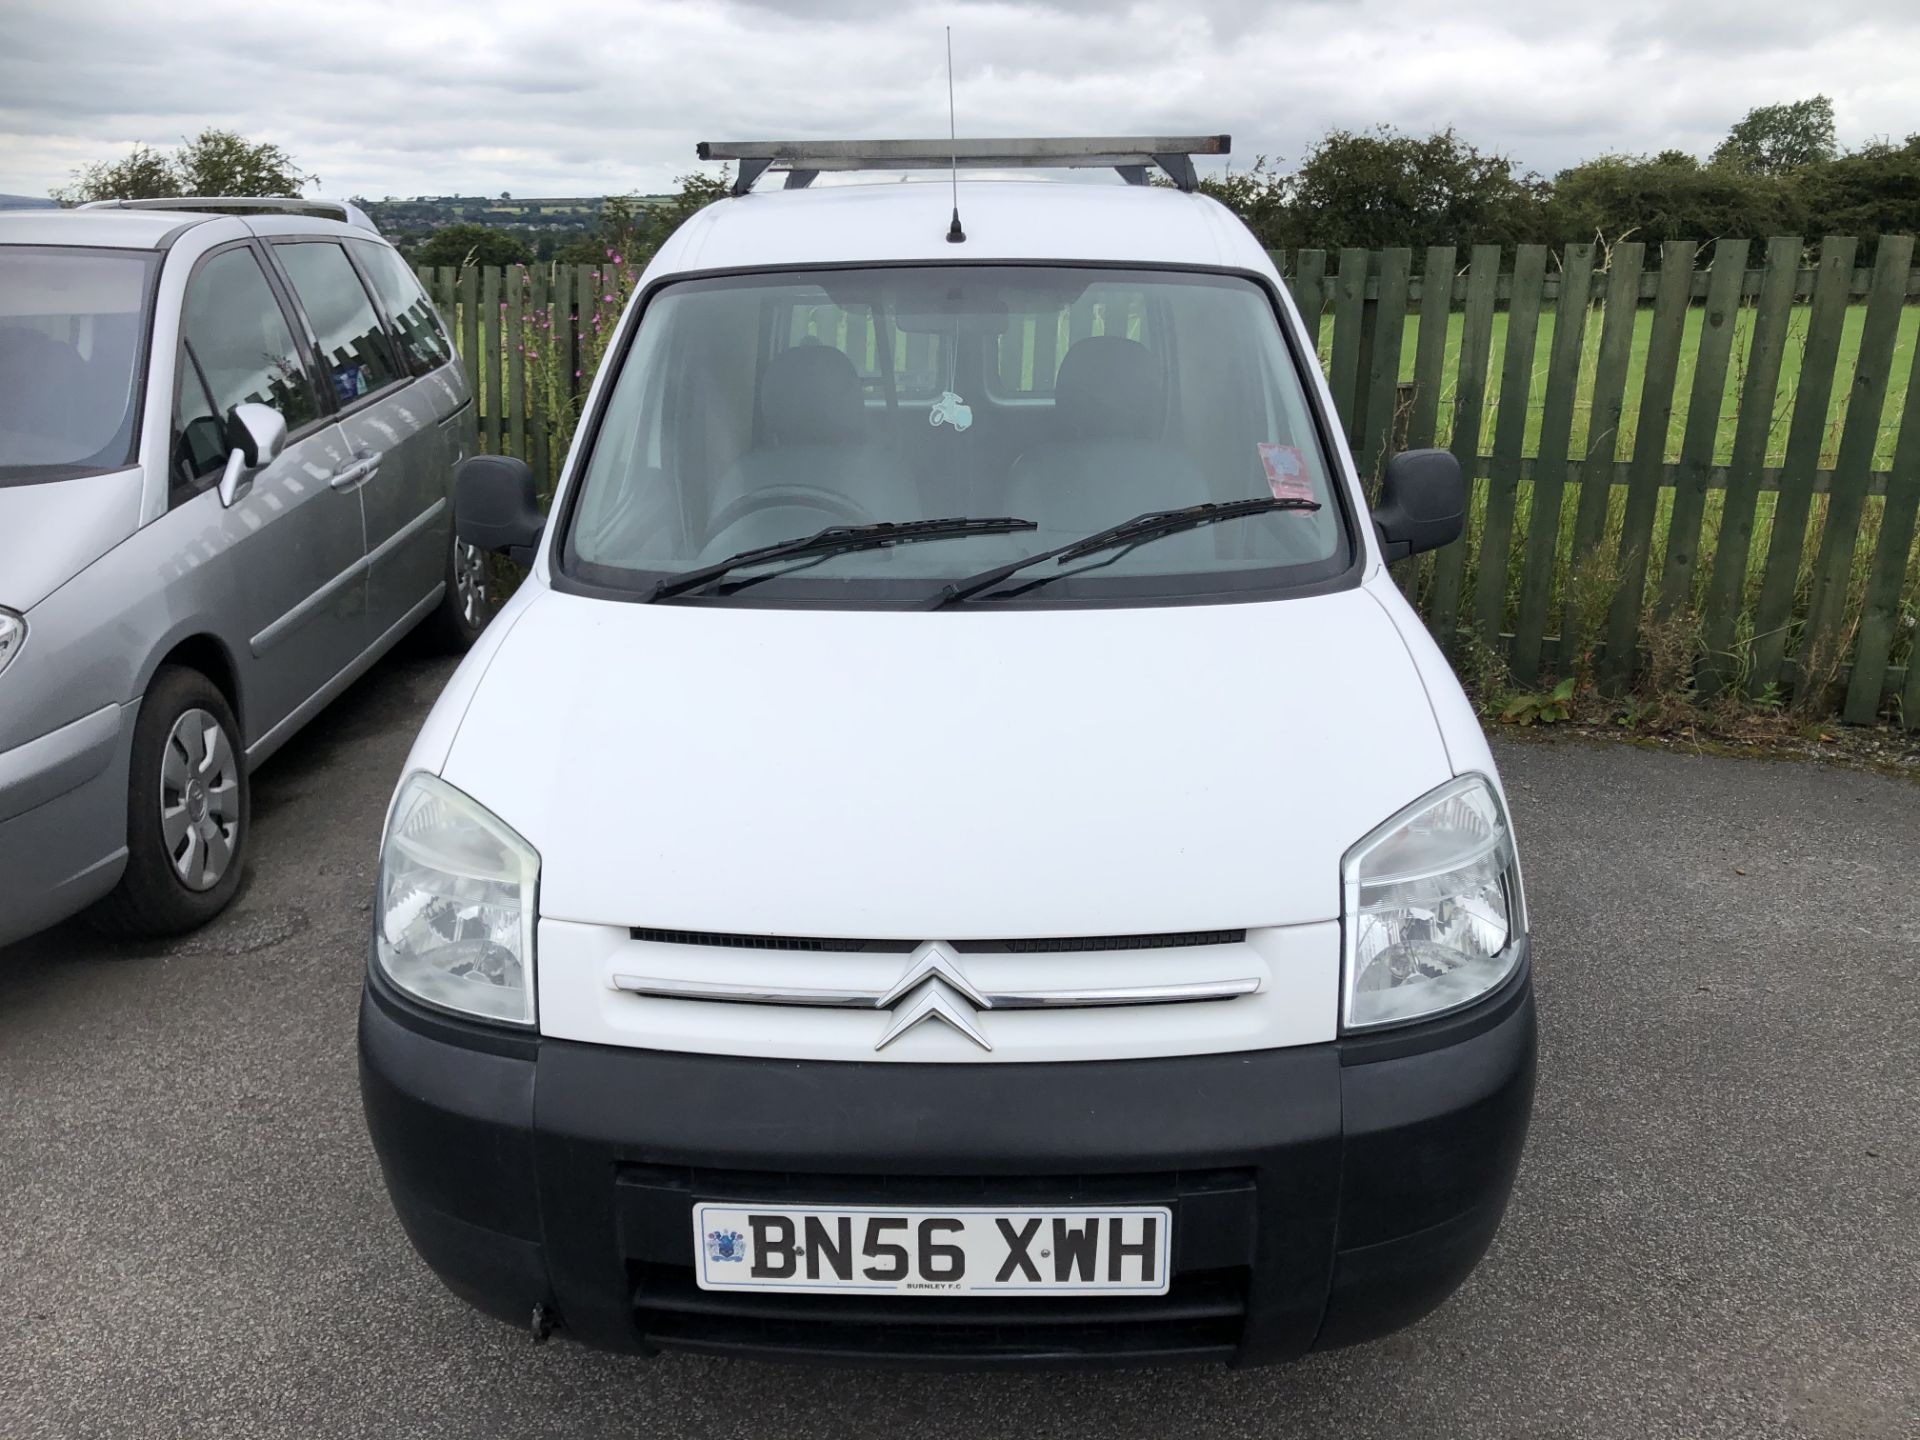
{"x": 1321, "y": 1195}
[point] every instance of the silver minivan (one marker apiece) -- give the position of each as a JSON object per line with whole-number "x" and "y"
{"x": 228, "y": 431}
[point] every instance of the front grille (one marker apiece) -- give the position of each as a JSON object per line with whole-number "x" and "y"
{"x": 768, "y": 942}
{"x": 1199, "y": 1317}
{"x": 1050, "y": 945}
{"x": 1081, "y": 943}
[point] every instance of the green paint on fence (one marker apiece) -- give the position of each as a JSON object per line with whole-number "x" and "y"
{"x": 1819, "y": 359}
{"x": 1556, "y": 435}
{"x": 1509, "y": 434}
{"x": 1649, "y": 451}
{"x": 1703, "y": 424}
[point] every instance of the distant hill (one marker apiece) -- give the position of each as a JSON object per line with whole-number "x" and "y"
{"x": 562, "y": 216}
{"x": 25, "y": 202}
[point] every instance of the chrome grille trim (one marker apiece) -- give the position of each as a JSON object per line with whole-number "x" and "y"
{"x": 1183, "y": 993}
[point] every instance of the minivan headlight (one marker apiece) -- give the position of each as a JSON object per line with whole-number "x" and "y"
{"x": 13, "y": 634}
{"x": 455, "y": 903}
{"x": 1432, "y": 910}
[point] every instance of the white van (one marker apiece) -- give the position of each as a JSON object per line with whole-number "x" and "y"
{"x": 958, "y": 851}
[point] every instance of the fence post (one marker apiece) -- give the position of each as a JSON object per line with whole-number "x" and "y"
{"x": 1772, "y": 314}
{"x": 490, "y": 310}
{"x": 1881, "y": 607}
{"x": 1509, "y": 438}
{"x": 1649, "y": 456}
{"x": 1386, "y": 328}
{"x": 1704, "y": 401}
{"x": 1805, "y": 440}
{"x": 1469, "y": 405}
{"x": 1349, "y": 320}
{"x": 1309, "y": 286}
{"x": 1430, "y": 347}
{"x": 1821, "y": 651}
{"x": 1550, "y": 469}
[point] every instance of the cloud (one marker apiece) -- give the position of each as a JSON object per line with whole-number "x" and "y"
{"x": 595, "y": 96}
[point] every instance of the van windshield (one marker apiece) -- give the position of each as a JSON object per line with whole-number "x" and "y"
{"x": 72, "y": 350}
{"x": 756, "y": 410}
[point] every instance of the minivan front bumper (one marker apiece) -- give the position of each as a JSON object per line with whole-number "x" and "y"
{"x": 1321, "y": 1194}
{"x": 63, "y": 820}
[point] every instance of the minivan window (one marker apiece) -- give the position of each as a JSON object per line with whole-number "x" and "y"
{"x": 422, "y": 342}
{"x": 752, "y": 410}
{"x": 236, "y": 347}
{"x": 72, "y": 357}
{"x": 353, "y": 345}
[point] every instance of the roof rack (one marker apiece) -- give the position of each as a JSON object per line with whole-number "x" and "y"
{"x": 240, "y": 204}
{"x": 1129, "y": 154}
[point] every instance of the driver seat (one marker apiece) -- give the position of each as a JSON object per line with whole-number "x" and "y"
{"x": 814, "y": 434}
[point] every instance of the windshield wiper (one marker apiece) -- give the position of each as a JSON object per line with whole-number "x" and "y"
{"x": 837, "y": 539}
{"x": 1127, "y": 534}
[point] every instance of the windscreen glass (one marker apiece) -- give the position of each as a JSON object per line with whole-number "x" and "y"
{"x": 752, "y": 411}
{"x": 72, "y": 354}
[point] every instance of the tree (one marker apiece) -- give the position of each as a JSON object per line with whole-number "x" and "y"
{"x": 1871, "y": 192}
{"x": 632, "y": 229}
{"x": 1670, "y": 196}
{"x": 214, "y": 162}
{"x": 465, "y": 244}
{"x": 146, "y": 174}
{"x": 1258, "y": 196}
{"x": 1778, "y": 139}
{"x": 1381, "y": 188}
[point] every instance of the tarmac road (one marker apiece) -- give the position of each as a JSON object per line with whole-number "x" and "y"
{"x": 1716, "y": 1230}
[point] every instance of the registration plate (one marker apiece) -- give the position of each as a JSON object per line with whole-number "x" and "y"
{"x": 957, "y": 1250}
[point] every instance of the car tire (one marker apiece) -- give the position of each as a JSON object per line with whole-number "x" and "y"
{"x": 467, "y": 604}
{"x": 187, "y": 811}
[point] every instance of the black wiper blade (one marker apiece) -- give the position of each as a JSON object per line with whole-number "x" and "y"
{"x": 838, "y": 538}
{"x": 1137, "y": 531}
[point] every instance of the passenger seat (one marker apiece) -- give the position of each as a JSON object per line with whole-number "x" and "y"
{"x": 1107, "y": 461}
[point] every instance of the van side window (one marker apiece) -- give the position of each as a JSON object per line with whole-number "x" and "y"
{"x": 919, "y": 361}
{"x": 235, "y": 347}
{"x": 354, "y": 351}
{"x": 1026, "y": 355}
{"x": 423, "y": 344}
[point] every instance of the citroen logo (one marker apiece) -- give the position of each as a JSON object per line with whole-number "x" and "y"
{"x": 934, "y": 989}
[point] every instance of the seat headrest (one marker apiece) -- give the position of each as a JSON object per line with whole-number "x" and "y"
{"x": 1109, "y": 388}
{"x": 810, "y": 395}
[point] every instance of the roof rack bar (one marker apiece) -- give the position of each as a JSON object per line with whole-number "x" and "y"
{"x": 1130, "y": 155}
{"x": 239, "y": 204}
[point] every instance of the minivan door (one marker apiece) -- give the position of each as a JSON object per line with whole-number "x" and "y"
{"x": 287, "y": 560}
{"x": 390, "y": 427}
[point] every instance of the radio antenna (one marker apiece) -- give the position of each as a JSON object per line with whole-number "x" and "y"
{"x": 954, "y": 233}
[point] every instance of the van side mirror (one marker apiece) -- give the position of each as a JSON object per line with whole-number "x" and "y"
{"x": 1423, "y": 503}
{"x": 259, "y": 434}
{"x": 496, "y": 507}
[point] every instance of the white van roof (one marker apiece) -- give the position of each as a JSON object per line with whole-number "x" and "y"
{"x": 894, "y": 221}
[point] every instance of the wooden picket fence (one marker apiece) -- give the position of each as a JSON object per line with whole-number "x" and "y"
{"x": 1702, "y": 448}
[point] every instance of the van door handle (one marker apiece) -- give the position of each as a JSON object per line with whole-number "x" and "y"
{"x": 359, "y": 472}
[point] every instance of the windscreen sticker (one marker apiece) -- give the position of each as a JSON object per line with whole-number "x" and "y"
{"x": 1286, "y": 471}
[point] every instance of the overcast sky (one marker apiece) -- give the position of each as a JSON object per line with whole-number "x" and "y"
{"x": 567, "y": 97}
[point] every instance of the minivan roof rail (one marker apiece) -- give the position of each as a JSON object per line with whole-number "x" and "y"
{"x": 235, "y": 204}
{"x": 1129, "y": 154}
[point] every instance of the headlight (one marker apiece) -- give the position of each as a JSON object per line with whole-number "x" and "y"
{"x": 455, "y": 905}
{"x": 13, "y": 634}
{"x": 1432, "y": 909}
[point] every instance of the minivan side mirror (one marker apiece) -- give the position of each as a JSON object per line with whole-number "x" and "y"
{"x": 259, "y": 434}
{"x": 1423, "y": 503}
{"x": 496, "y": 506}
